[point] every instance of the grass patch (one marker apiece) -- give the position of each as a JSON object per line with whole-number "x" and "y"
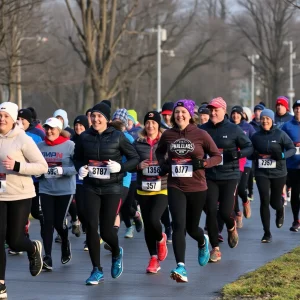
{"x": 278, "y": 279}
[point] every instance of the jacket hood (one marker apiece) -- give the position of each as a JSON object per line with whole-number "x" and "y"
{"x": 62, "y": 113}
{"x": 14, "y": 132}
{"x": 143, "y": 137}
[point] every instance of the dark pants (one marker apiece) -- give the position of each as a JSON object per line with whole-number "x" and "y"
{"x": 270, "y": 193}
{"x": 186, "y": 209}
{"x": 127, "y": 210}
{"x": 55, "y": 209}
{"x": 242, "y": 189}
{"x": 222, "y": 192}
{"x": 101, "y": 209}
{"x": 294, "y": 180}
{"x": 79, "y": 198}
{"x": 13, "y": 218}
{"x": 36, "y": 210}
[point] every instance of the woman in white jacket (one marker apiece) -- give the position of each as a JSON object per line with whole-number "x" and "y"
{"x": 20, "y": 158}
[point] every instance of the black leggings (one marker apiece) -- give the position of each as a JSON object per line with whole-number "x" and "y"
{"x": 73, "y": 210}
{"x": 127, "y": 209}
{"x": 152, "y": 208}
{"x": 221, "y": 191}
{"x": 242, "y": 189}
{"x": 250, "y": 181}
{"x": 165, "y": 218}
{"x": 79, "y": 198}
{"x": 186, "y": 209}
{"x": 270, "y": 193}
{"x": 55, "y": 209}
{"x": 294, "y": 181}
{"x": 13, "y": 218}
{"x": 36, "y": 210}
{"x": 101, "y": 209}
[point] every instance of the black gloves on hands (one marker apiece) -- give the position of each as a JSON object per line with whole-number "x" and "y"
{"x": 231, "y": 155}
{"x": 164, "y": 170}
{"x": 276, "y": 151}
{"x": 198, "y": 164}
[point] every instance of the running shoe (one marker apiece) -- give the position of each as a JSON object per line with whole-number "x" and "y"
{"x": 267, "y": 238}
{"x": 179, "y": 273}
{"x": 57, "y": 239}
{"x": 95, "y": 278}
{"x": 250, "y": 197}
{"x": 47, "y": 263}
{"x": 153, "y": 266}
{"x": 35, "y": 260}
{"x": 280, "y": 217}
{"x": 3, "y": 292}
{"x": 162, "y": 249}
{"x": 138, "y": 222}
{"x": 239, "y": 220}
{"x": 203, "y": 252}
{"x": 295, "y": 226}
{"x": 288, "y": 195}
{"x": 101, "y": 241}
{"x": 168, "y": 232}
{"x": 117, "y": 265}
{"x": 247, "y": 209}
{"x": 12, "y": 252}
{"x": 66, "y": 254}
{"x": 233, "y": 237}
{"x": 85, "y": 246}
{"x": 107, "y": 247}
{"x": 220, "y": 238}
{"x": 215, "y": 255}
{"x": 76, "y": 228}
{"x": 129, "y": 232}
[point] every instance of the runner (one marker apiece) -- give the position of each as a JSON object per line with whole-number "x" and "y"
{"x": 57, "y": 187}
{"x": 271, "y": 147}
{"x": 256, "y": 120}
{"x": 186, "y": 146}
{"x": 98, "y": 159}
{"x": 292, "y": 129}
{"x": 203, "y": 114}
{"x": 35, "y": 121}
{"x": 282, "y": 111}
{"x": 152, "y": 190}
{"x": 20, "y": 159}
{"x": 63, "y": 117}
{"x": 166, "y": 113}
{"x": 222, "y": 180}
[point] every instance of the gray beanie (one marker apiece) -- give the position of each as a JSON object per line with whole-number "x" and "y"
{"x": 267, "y": 113}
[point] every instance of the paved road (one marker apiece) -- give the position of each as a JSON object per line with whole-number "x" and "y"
{"x": 67, "y": 282}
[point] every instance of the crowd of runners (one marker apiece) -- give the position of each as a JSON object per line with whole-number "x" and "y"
{"x": 157, "y": 176}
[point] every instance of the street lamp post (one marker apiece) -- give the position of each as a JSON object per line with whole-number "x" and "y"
{"x": 252, "y": 58}
{"x": 19, "y": 73}
{"x": 291, "y": 91}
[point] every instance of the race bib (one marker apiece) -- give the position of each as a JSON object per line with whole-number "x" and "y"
{"x": 266, "y": 163}
{"x": 2, "y": 183}
{"x": 297, "y": 151}
{"x": 98, "y": 170}
{"x": 151, "y": 185}
{"x": 182, "y": 168}
{"x": 221, "y": 152}
{"x": 52, "y": 171}
{"x": 152, "y": 170}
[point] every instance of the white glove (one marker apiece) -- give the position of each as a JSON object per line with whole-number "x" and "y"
{"x": 59, "y": 170}
{"x": 83, "y": 171}
{"x": 113, "y": 166}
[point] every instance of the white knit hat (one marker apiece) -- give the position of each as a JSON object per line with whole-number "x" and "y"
{"x": 10, "y": 108}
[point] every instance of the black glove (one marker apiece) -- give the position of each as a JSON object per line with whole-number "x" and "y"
{"x": 198, "y": 164}
{"x": 276, "y": 152}
{"x": 164, "y": 170}
{"x": 231, "y": 155}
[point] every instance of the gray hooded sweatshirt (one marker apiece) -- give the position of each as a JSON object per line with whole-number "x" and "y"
{"x": 58, "y": 155}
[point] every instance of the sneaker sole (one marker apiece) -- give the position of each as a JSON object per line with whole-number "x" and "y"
{"x": 66, "y": 261}
{"x": 47, "y": 268}
{"x": 94, "y": 282}
{"x": 215, "y": 260}
{"x": 178, "y": 278}
{"x": 128, "y": 236}
{"x": 152, "y": 271}
{"x": 294, "y": 230}
{"x": 85, "y": 249}
{"x": 14, "y": 253}
{"x": 39, "y": 249}
{"x": 266, "y": 242}
{"x": 3, "y": 296}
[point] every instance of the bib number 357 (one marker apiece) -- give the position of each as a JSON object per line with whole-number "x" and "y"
{"x": 182, "y": 170}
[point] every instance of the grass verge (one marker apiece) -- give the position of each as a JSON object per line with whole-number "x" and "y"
{"x": 278, "y": 279}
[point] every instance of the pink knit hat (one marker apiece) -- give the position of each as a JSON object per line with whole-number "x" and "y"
{"x": 217, "y": 103}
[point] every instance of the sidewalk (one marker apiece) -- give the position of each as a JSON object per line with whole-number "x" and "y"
{"x": 67, "y": 282}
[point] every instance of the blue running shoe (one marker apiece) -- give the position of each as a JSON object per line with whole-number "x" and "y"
{"x": 95, "y": 278}
{"x": 179, "y": 274}
{"x": 117, "y": 265}
{"x": 203, "y": 253}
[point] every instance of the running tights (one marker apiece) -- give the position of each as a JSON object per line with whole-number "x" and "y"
{"x": 127, "y": 210}
{"x": 221, "y": 191}
{"x": 270, "y": 193}
{"x": 101, "y": 209}
{"x": 152, "y": 208}
{"x": 80, "y": 201}
{"x": 55, "y": 209}
{"x": 242, "y": 189}
{"x": 186, "y": 209}
{"x": 294, "y": 181}
{"x": 13, "y": 218}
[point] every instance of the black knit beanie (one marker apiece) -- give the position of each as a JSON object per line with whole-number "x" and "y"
{"x": 83, "y": 120}
{"x": 103, "y": 109}
{"x": 26, "y": 114}
{"x": 152, "y": 115}
{"x": 107, "y": 102}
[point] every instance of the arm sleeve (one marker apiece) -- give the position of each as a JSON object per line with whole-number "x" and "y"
{"x": 251, "y": 130}
{"x": 70, "y": 170}
{"x": 212, "y": 150}
{"x": 129, "y": 151}
{"x": 35, "y": 163}
{"x": 289, "y": 148}
{"x": 161, "y": 150}
{"x": 243, "y": 143}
